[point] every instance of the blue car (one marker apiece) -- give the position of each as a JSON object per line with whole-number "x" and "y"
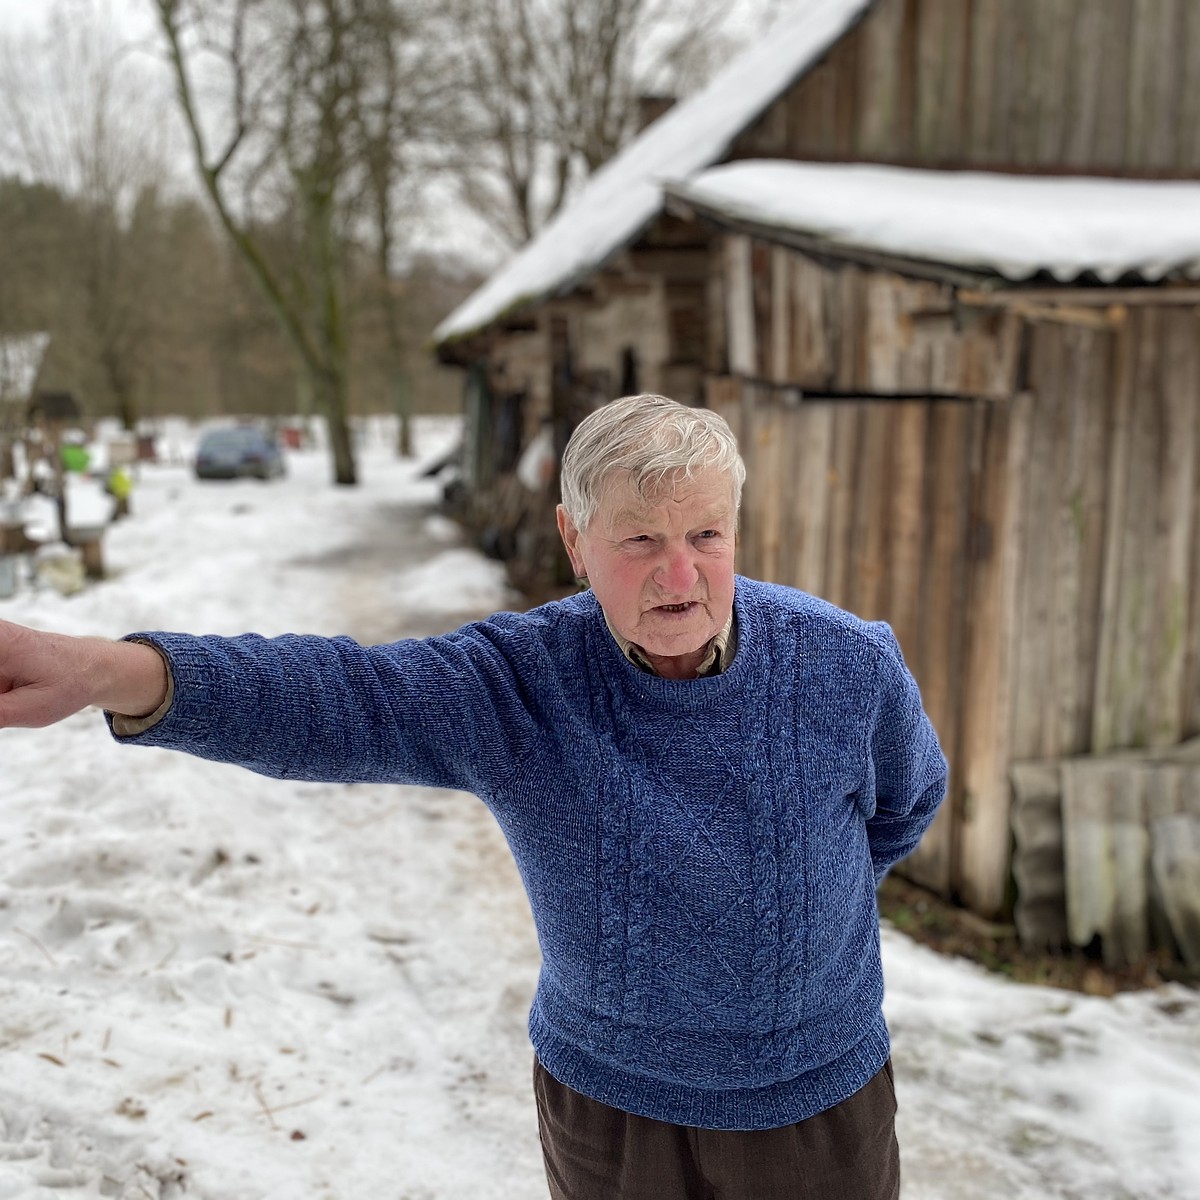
{"x": 238, "y": 452}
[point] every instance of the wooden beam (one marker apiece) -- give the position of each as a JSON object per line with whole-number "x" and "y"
{"x": 1104, "y": 708}
{"x": 1068, "y": 314}
{"x": 1099, "y": 297}
{"x": 983, "y": 853}
{"x": 739, "y": 305}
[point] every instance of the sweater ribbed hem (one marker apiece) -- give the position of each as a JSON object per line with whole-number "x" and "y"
{"x": 767, "y": 1107}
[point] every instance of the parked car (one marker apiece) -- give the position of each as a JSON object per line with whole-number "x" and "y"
{"x": 242, "y": 450}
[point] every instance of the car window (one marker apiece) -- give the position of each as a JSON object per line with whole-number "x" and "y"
{"x": 234, "y": 439}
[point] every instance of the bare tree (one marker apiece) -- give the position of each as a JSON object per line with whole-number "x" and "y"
{"x": 77, "y": 114}
{"x": 283, "y": 139}
{"x": 555, "y": 89}
{"x": 319, "y": 98}
{"x": 403, "y": 99}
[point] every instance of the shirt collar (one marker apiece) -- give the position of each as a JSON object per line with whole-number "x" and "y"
{"x": 717, "y": 657}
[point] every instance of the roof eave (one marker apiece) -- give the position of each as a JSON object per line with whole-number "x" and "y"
{"x": 720, "y": 153}
{"x": 819, "y": 247}
{"x": 565, "y": 287}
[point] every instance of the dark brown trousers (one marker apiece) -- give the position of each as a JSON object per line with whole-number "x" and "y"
{"x": 594, "y": 1152}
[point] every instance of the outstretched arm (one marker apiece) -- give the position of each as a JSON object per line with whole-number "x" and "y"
{"x": 45, "y": 677}
{"x": 444, "y": 712}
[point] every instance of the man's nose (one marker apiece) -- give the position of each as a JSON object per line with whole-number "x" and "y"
{"x": 677, "y": 572}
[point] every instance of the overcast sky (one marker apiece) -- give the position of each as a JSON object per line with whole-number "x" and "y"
{"x": 18, "y": 16}
{"x": 446, "y": 226}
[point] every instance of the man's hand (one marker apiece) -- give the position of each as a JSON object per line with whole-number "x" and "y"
{"x": 45, "y": 677}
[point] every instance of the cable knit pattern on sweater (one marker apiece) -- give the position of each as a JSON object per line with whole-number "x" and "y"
{"x": 700, "y": 856}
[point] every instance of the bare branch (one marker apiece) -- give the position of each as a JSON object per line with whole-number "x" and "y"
{"x": 557, "y": 87}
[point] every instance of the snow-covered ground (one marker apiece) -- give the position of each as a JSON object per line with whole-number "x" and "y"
{"x": 224, "y": 987}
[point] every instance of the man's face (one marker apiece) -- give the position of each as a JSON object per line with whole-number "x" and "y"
{"x": 662, "y": 569}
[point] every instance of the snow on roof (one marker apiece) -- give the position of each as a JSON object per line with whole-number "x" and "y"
{"x": 625, "y": 194}
{"x": 1016, "y": 226}
{"x": 20, "y": 360}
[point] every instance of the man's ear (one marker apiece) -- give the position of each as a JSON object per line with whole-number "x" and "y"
{"x": 570, "y": 536}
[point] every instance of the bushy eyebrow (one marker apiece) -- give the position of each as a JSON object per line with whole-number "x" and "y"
{"x": 714, "y": 516}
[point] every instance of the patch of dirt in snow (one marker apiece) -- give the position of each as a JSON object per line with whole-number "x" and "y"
{"x": 951, "y": 930}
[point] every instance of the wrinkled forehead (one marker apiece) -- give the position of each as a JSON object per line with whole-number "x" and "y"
{"x": 624, "y": 497}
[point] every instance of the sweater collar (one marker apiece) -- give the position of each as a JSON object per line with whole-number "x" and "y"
{"x": 718, "y": 655}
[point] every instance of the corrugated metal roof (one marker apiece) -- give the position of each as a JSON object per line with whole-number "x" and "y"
{"x": 20, "y": 360}
{"x": 1015, "y": 226}
{"x": 625, "y": 195}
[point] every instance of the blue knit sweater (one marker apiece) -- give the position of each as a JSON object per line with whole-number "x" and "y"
{"x": 700, "y": 856}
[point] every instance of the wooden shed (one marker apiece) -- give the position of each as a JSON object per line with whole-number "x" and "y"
{"x": 933, "y": 261}
{"x": 1006, "y": 472}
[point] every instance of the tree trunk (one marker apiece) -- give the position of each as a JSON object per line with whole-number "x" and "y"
{"x": 60, "y": 484}
{"x": 330, "y": 389}
{"x": 118, "y": 384}
{"x": 404, "y": 444}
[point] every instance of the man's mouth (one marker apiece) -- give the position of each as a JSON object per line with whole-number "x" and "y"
{"x": 675, "y": 607}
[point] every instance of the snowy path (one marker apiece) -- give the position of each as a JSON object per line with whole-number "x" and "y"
{"x": 199, "y": 965}
{"x": 217, "y": 987}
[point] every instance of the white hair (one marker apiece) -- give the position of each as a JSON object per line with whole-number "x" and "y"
{"x": 650, "y": 440}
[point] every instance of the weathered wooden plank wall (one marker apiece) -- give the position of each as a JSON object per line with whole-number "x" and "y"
{"x": 993, "y": 562}
{"x": 1039, "y": 866}
{"x": 1071, "y": 85}
{"x": 791, "y": 320}
{"x": 1033, "y": 537}
{"x": 873, "y": 505}
{"x": 1130, "y": 843}
{"x": 1110, "y": 557}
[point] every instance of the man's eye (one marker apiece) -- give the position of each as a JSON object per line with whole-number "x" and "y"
{"x": 638, "y": 537}
{"x": 710, "y": 533}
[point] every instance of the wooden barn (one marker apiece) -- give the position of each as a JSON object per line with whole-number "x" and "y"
{"x": 937, "y": 263}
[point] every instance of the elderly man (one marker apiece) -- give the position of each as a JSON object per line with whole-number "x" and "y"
{"x": 702, "y": 779}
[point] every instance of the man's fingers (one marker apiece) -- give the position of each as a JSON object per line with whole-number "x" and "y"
{"x": 15, "y": 714}
{"x": 28, "y": 708}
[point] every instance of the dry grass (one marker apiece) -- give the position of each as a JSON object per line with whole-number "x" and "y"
{"x": 950, "y": 930}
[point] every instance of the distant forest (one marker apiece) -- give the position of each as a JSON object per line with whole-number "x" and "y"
{"x": 151, "y": 312}
{"x": 286, "y": 278}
